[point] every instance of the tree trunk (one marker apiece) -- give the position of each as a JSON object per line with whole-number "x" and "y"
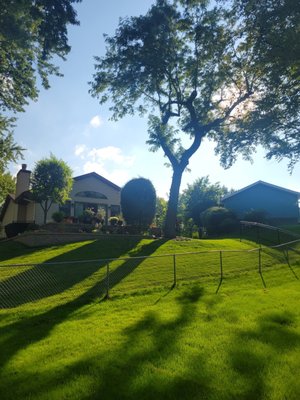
{"x": 45, "y": 209}
{"x": 171, "y": 216}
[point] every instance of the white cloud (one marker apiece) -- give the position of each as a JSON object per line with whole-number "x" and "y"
{"x": 118, "y": 176}
{"x": 111, "y": 153}
{"x": 110, "y": 162}
{"x": 80, "y": 150}
{"x": 96, "y": 121}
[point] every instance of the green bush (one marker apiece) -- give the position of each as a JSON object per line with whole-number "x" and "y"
{"x": 15, "y": 228}
{"x": 256, "y": 216}
{"x": 219, "y": 220}
{"x": 87, "y": 217}
{"x": 58, "y": 216}
{"x": 138, "y": 203}
{"x": 113, "y": 221}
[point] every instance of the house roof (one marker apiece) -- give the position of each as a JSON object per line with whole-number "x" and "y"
{"x": 99, "y": 177}
{"x": 261, "y": 183}
{"x": 9, "y": 197}
{"x": 24, "y": 198}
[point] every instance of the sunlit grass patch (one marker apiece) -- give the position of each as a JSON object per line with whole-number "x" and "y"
{"x": 153, "y": 341}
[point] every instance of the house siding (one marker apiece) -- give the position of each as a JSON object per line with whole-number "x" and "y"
{"x": 277, "y": 203}
{"x": 92, "y": 184}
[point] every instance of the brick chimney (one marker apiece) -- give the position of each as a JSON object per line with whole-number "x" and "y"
{"x": 23, "y": 180}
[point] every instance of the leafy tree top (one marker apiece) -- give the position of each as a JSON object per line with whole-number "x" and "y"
{"x": 32, "y": 32}
{"x": 51, "y": 181}
{"x": 209, "y": 66}
{"x": 199, "y": 196}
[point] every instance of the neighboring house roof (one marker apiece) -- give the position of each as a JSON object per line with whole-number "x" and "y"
{"x": 24, "y": 198}
{"x": 261, "y": 183}
{"x": 9, "y": 197}
{"x": 99, "y": 177}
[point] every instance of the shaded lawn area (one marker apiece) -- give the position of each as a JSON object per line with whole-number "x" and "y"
{"x": 188, "y": 343}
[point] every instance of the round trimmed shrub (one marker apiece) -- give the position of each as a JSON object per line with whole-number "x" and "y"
{"x": 58, "y": 216}
{"x": 138, "y": 203}
{"x": 87, "y": 216}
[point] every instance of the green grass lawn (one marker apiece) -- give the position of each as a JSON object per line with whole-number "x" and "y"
{"x": 61, "y": 341}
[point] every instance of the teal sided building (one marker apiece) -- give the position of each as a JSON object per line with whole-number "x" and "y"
{"x": 280, "y": 204}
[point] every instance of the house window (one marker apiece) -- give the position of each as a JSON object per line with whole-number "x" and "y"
{"x": 114, "y": 210}
{"x": 80, "y": 207}
{"x": 91, "y": 194}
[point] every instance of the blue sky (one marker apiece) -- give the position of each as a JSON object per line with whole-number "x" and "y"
{"x": 69, "y": 123}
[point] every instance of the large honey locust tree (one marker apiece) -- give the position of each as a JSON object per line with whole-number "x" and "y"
{"x": 191, "y": 67}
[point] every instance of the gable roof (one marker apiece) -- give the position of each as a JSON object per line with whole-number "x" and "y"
{"x": 9, "y": 198}
{"x": 98, "y": 177}
{"x": 261, "y": 183}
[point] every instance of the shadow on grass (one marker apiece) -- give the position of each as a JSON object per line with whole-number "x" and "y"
{"x": 139, "y": 368}
{"x": 41, "y": 281}
{"x": 19, "y": 335}
{"x": 10, "y": 249}
{"x": 254, "y": 351}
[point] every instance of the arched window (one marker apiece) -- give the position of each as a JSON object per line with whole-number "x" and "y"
{"x": 91, "y": 194}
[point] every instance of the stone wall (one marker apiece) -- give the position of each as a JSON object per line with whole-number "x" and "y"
{"x": 38, "y": 239}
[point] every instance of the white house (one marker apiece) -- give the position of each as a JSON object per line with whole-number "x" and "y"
{"x": 89, "y": 191}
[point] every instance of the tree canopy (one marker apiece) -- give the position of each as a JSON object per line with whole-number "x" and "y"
{"x": 7, "y": 185}
{"x": 271, "y": 29}
{"x": 9, "y": 150}
{"x": 160, "y": 212}
{"x": 199, "y": 196}
{"x": 51, "y": 182}
{"x": 199, "y": 68}
{"x": 32, "y": 33}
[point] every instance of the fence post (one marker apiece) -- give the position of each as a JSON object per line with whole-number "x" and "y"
{"x": 258, "y": 235}
{"x": 221, "y": 272}
{"x": 174, "y": 270}
{"x": 107, "y": 281}
{"x": 287, "y": 257}
{"x": 259, "y": 260}
{"x": 221, "y": 265}
{"x": 278, "y": 236}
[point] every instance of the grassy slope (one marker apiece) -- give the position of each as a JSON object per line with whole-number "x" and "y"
{"x": 187, "y": 343}
{"x": 87, "y": 280}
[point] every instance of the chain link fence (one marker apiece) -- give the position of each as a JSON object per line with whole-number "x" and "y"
{"x": 84, "y": 281}
{"x": 266, "y": 234}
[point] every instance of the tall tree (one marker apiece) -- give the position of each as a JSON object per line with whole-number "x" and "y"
{"x": 32, "y": 33}
{"x": 51, "y": 183}
{"x": 199, "y": 196}
{"x": 160, "y": 212}
{"x": 191, "y": 67}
